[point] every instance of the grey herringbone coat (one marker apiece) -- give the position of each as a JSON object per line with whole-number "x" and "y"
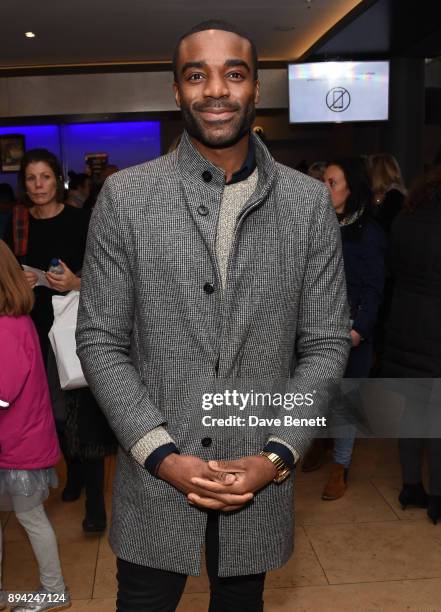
{"x": 146, "y": 327}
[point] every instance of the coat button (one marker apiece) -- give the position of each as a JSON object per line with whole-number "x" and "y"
{"x": 207, "y": 176}
{"x": 202, "y": 210}
{"x": 206, "y": 442}
{"x": 209, "y": 288}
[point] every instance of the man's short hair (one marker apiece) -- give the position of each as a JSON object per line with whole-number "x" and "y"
{"x": 215, "y": 24}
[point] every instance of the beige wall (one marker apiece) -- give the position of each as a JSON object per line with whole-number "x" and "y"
{"x": 132, "y": 92}
{"x": 150, "y": 92}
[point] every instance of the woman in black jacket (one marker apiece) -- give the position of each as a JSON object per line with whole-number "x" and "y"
{"x": 42, "y": 229}
{"x": 364, "y": 245}
{"x": 413, "y": 340}
{"x": 389, "y": 193}
{"x": 387, "y": 187}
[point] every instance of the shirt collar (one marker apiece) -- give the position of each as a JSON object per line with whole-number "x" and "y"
{"x": 196, "y": 169}
{"x": 248, "y": 166}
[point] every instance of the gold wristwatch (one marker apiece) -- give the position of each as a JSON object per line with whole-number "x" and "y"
{"x": 283, "y": 471}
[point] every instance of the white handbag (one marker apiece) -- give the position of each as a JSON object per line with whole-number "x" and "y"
{"x": 62, "y": 338}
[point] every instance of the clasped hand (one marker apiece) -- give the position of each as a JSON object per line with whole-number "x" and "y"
{"x": 217, "y": 485}
{"x": 67, "y": 281}
{"x": 63, "y": 282}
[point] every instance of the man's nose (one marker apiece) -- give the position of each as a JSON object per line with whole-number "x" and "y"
{"x": 216, "y": 87}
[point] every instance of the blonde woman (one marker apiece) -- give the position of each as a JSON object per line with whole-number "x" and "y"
{"x": 317, "y": 170}
{"x": 388, "y": 188}
{"x": 389, "y": 194}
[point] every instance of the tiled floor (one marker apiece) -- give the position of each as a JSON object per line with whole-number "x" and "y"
{"x": 360, "y": 553}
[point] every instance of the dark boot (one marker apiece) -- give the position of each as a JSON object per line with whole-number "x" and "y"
{"x": 315, "y": 456}
{"x": 95, "y": 519}
{"x": 337, "y": 483}
{"x": 75, "y": 480}
{"x": 434, "y": 508}
{"x": 413, "y": 495}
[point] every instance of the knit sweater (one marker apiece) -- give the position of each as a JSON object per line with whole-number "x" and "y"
{"x": 234, "y": 199}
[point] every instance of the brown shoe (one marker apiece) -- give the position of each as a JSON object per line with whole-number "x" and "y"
{"x": 336, "y": 485}
{"x": 315, "y": 456}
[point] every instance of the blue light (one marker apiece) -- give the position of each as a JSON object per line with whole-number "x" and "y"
{"x": 36, "y": 136}
{"x": 126, "y": 143}
{"x": 45, "y": 136}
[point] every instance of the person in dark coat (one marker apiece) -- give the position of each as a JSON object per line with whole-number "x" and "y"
{"x": 388, "y": 188}
{"x": 364, "y": 247}
{"x": 389, "y": 193}
{"x": 413, "y": 347}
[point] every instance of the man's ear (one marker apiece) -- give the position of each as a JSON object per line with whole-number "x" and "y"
{"x": 257, "y": 92}
{"x": 177, "y": 94}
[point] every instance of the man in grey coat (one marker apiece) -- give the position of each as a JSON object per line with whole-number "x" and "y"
{"x": 212, "y": 263}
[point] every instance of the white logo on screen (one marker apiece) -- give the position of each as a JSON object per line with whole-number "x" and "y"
{"x": 338, "y": 99}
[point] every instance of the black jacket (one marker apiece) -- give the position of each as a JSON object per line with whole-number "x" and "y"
{"x": 413, "y": 337}
{"x": 364, "y": 246}
{"x": 390, "y": 207}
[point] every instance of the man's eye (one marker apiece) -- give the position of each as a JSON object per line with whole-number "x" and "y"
{"x": 197, "y": 76}
{"x": 235, "y": 75}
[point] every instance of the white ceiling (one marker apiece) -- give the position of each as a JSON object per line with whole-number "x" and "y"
{"x": 100, "y": 31}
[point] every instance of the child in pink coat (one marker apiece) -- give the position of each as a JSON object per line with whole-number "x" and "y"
{"x": 28, "y": 441}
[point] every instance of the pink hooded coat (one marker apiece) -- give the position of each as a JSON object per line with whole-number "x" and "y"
{"x": 28, "y": 438}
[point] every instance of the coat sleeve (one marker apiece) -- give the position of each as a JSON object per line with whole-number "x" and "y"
{"x": 323, "y": 331}
{"x": 14, "y": 371}
{"x": 374, "y": 253}
{"x": 104, "y": 329}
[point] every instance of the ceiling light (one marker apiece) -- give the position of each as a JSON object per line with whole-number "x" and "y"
{"x": 29, "y": 34}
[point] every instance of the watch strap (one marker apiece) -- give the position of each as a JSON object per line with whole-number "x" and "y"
{"x": 283, "y": 471}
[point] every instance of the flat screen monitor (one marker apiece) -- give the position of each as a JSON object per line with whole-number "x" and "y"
{"x": 331, "y": 92}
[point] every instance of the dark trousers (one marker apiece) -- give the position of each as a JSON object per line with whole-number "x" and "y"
{"x": 87, "y": 473}
{"x": 90, "y": 474}
{"x": 144, "y": 589}
{"x": 360, "y": 360}
{"x": 411, "y": 459}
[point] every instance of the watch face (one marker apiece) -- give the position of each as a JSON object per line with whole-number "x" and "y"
{"x": 283, "y": 475}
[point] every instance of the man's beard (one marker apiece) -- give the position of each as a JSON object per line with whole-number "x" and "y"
{"x": 236, "y": 127}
